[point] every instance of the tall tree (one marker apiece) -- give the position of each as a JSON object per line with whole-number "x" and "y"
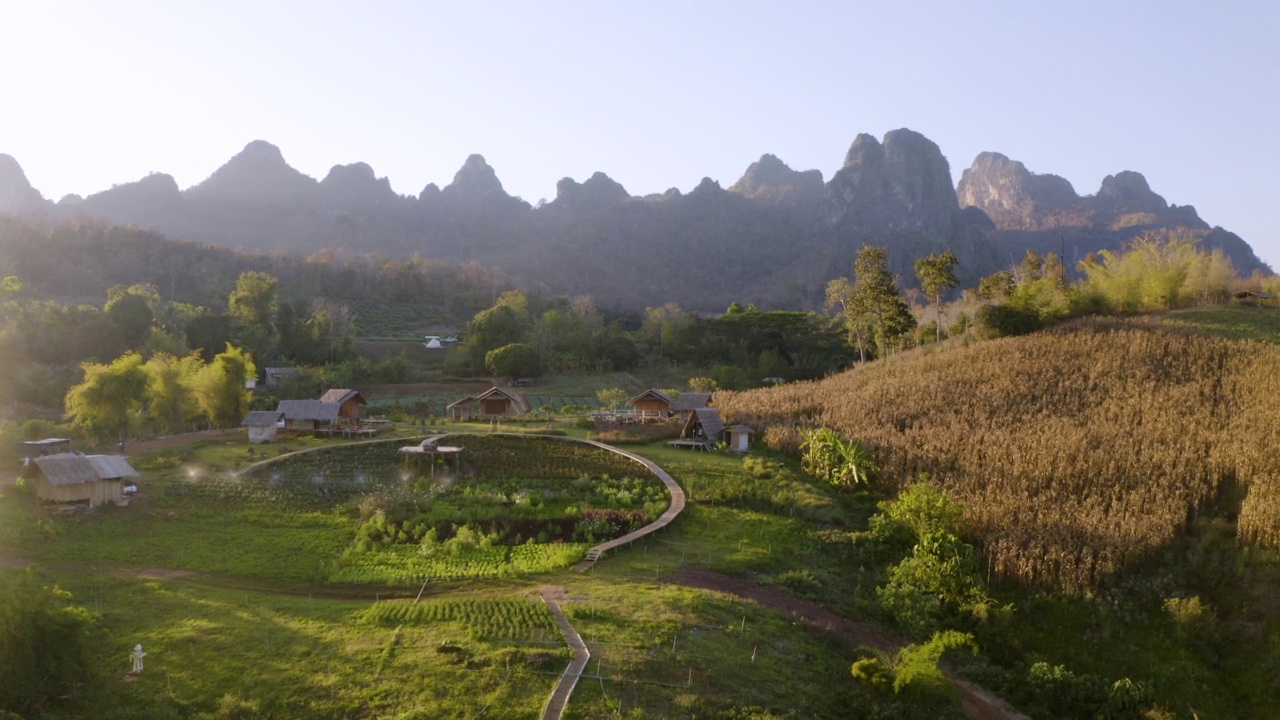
{"x": 253, "y": 304}
{"x": 131, "y": 314}
{"x": 875, "y": 294}
{"x": 171, "y": 398}
{"x": 220, "y": 387}
{"x": 937, "y": 275}
{"x": 254, "y": 300}
{"x": 103, "y": 403}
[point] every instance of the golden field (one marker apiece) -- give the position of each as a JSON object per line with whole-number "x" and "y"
{"x": 1076, "y": 451}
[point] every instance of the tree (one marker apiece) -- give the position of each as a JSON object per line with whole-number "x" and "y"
{"x": 131, "y": 314}
{"x": 937, "y": 275}
{"x": 611, "y": 398}
{"x": 254, "y": 300}
{"x": 858, "y": 328}
{"x": 171, "y": 398}
{"x": 875, "y": 294}
{"x": 491, "y": 329}
{"x": 220, "y": 387}
{"x": 513, "y": 360}
{"x": 109, "y": 394}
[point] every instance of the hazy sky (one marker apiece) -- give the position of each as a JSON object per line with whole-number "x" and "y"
{"x": 655, "y": 94}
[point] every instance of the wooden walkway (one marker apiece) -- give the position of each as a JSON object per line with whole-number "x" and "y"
{"x": 676, "y": 507}
{"x": 559, "y": 699}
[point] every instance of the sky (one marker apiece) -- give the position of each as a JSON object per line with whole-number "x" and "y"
{"x": 655, "y": 94}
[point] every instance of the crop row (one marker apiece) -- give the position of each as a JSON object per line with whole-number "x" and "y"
{"x": 505, "y": 619}
{"x": 406, "y": 565}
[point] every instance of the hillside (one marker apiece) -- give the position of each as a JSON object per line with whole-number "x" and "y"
{"x": 774, "y": 237}
{"x": 1079, "y": 452}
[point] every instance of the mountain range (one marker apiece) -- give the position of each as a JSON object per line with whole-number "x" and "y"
{"x": 775, "y": 237}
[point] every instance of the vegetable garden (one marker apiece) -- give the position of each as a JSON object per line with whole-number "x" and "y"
{"x": 518, "y": 505}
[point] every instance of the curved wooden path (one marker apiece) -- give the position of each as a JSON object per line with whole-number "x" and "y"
{"x": 665, "y": 519}
{"x": 559, "y": 699}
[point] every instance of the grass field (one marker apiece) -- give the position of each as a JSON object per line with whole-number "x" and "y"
{"x": 258, "y": 636}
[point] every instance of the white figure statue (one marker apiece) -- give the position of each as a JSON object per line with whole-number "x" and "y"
{"x": 136, "y": 656}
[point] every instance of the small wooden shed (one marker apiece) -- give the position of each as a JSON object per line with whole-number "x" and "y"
{"x": 348, "y": 402}
{"x": 462, "y": 410}
{"x": 738, "y": 437}
{"x": 704, "y": 425}
{"x": 651, "y": 404}
{"x": 263, "y": 424}
{"x": 72, "y": 477}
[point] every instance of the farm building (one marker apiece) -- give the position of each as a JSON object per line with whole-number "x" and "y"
{"x": 72, "y": 477}
{"x": 651, "y": 404}
{"x": 462, "y": 410}
{"x": 687, "y": 402}
{"x": 496, "y": 402}
{"x": 308, "y": 415}
{"x": 263, "y": 424}
{"x": 47, "y": 446}
{"x": 704, "y": 427}
{"x": 348, "y": 402}
{"x": 738, "y": 437}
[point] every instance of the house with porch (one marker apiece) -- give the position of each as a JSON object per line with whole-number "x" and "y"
{"x": 651, "y": 404}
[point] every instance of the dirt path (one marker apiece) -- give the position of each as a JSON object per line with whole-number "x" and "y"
{"x": 977, "y": 703}
{"x": 169, "y": 441}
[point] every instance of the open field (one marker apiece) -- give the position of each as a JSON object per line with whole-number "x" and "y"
{"x": 658, "y": 649}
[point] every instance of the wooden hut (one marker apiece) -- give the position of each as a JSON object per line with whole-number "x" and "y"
{"x": 497, "y": 402}
{"x": 263, "y": 425}
{"x": 687, "y": 402}
{"x": 71, "y": 477}
{"x": 462, "y": 410}
{"x": 308, "y": 415}
{"x": 703, "y": 429}
{"x": 738, "y": 437}
{"x": 348, "y": 402}
{"x": 651, "y": 404}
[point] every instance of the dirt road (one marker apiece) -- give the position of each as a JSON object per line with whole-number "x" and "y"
{"x": 977, "y": 703}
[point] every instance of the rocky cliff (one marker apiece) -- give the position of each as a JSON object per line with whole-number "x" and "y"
{"x": 774, "y": 237}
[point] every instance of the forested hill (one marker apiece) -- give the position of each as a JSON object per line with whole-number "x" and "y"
{"x": 775, "y": 237}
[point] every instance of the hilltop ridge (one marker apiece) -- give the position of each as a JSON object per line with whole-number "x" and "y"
{"x": 774, "y": 237}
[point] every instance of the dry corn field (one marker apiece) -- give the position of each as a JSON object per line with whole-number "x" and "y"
{"x": 1076, "y": 451}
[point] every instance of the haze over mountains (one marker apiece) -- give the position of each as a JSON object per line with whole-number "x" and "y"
{"x": 775, "y": 237}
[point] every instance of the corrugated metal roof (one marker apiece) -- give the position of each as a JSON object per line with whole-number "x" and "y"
{"x": 263, "y": 418}
{"x": 76, "y": 469}
{"x": 463, "y": 401}
{"x": 111, "y": 467}
{"x": 337, "y": 397}
{"x": 309, "y": 410}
